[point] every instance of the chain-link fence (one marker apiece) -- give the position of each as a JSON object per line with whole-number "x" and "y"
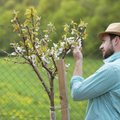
{"x": 22, "y": 96}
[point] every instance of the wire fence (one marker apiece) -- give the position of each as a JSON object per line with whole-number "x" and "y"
{"x": 22, "y": 96}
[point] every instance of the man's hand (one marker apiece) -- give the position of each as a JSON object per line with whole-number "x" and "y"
{"x": 78, "y": 61}
{"x": 77, "y": 54}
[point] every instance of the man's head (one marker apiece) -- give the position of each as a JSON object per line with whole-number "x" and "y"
{"x": 110, "y": 40}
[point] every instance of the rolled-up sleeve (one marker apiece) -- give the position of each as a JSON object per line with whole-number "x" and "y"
{"x": 97, "y": 84}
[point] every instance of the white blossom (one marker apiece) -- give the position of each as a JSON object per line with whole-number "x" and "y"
{"x": 44, "y": 59}
{"x": 13, "y": 53}
{"x": 36, "y": 29}
{"x": 71, "y": 38}
{"x": 46, "y": 36}
{"x": 56, "y": 57}
{"x": 55, "y": 45}
{"x": 73, "y": 31}
{"x": 81, "y": 28}
{"x": 18, "y": 49}
{"x": 51, "y": 51}
{"x": 70, "y": 41}
{"x": 12, "y": 44}
{"x": 67, "y": 65}
{"x": 36, "y": 39}
{"x": 72, "y": 46}
{"x": 60, "y": 50}
{"x": 65, "y": 38}
{"x": 33, "y": 59}
{"x": 37, "y": 46}
{"x": 68, "y": 51}
{"x": 62, "y": 44}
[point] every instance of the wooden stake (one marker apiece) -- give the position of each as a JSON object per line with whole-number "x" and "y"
{"x": 63, "y": 90}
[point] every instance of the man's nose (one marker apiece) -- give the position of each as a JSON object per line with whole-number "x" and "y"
{"x": 101, "y": 47}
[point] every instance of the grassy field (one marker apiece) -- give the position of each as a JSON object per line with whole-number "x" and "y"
{"x": 22, "y": 96}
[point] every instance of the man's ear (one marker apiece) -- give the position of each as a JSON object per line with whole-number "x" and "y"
{"x": 116, "y": 40}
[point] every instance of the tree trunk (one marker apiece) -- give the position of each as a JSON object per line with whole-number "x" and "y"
{"x": 52, "y": 115}
{"x": 52, "y": 107}
{"x": 52, "y": 104}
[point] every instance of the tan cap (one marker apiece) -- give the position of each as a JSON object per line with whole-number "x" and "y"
{"x": 113, "y": 28}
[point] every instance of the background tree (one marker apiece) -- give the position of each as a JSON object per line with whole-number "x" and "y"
{"x": 98, "y": 14}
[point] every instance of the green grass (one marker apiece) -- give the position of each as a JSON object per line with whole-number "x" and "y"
{"x": 22, "y": 96}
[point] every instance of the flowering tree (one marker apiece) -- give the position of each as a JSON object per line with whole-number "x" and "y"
{"x": 37, "y": 52}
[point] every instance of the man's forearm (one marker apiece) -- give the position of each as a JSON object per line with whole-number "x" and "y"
{"x": 78, "y": 68}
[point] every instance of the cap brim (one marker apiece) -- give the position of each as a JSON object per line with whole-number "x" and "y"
{"x": 100, "y": 35}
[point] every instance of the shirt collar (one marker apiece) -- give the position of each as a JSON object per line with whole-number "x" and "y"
{"x": 112, "y": 57}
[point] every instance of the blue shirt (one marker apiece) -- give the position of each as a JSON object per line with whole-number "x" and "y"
{"x": 102, "y": 89}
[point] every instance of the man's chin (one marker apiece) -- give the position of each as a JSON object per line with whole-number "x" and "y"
{"x": 104, "y": 56}
{"x": 107, "y": 56}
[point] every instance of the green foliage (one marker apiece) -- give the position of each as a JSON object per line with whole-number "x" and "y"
{"x": 98, "y": 14}
{"x": 22, "y": 97}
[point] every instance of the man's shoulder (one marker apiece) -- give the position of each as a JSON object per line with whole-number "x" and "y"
{"x": 110, "y": 67}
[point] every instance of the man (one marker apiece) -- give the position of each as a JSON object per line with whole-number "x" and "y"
{"x": 103, "y": 87}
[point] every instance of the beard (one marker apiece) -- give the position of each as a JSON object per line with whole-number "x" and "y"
{"x": 108, "y": 53}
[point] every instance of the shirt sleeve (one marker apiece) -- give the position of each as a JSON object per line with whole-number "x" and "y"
{"x": 102, "y": 81}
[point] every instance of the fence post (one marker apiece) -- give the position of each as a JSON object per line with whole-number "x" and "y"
{"x": 63, "y": 90}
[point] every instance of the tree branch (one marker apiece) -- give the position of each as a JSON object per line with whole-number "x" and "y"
{"x": 24, "y": 39}
{"x": 41, "y": 79}
{"x": 36, "y": 52}
{"x": 54, "y": 66}
{"x": 66, "y": 50}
